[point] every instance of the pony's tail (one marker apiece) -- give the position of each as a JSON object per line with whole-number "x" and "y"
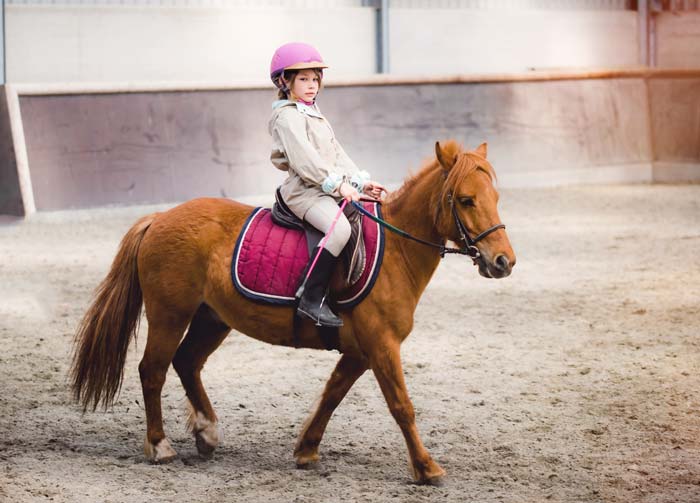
{"x": 103, "y": 335}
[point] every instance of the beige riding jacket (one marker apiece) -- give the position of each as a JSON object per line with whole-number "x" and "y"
{"x": 304, "y": 146}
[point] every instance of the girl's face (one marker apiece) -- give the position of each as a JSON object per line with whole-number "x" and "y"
{"x": 305, "y": 86}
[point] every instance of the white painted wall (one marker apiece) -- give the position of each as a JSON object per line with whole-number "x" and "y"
{"x": 678, "y": 40}
{"x": 186, "y": 44}
{"x": 464, "y": 41}
{"x": 74, "y": 43}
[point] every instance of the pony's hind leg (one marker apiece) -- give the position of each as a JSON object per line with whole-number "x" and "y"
{"x": 205, "y": 334}
{"x": 165, "y": 329}
{"x": 346, "y": 372}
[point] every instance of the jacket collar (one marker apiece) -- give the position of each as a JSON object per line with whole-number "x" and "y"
{"x": 311, "y": 110}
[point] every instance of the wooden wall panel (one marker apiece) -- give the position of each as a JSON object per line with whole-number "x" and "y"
{"x": 92, "y": 150}
{"x": 675, "y": 128}
{"x": 88, "y": 150}
{"x": 10, "y": 193}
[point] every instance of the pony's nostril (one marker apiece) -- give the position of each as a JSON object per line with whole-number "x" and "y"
{"x": 502, "y": 262}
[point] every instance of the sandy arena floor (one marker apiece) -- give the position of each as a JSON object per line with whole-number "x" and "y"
{"x": 574, "y": 380}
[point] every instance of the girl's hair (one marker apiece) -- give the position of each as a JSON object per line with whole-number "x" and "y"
{"x": 290, "y": 76}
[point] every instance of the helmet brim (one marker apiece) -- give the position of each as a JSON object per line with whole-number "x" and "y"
{"x": 306, "y": 66}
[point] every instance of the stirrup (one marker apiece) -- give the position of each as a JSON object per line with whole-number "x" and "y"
{"x": 317, "y": 319}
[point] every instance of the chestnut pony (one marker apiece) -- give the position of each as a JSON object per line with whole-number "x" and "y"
{"x": 178, "y": 263}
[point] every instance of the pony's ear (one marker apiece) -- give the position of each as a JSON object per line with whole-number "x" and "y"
{"x": 481, "y": 150}
{"x": 445, "y": 158}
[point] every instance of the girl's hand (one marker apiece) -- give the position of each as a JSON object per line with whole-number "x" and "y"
{"x": 373, "y": 189}
{"x": 348, "y": 192}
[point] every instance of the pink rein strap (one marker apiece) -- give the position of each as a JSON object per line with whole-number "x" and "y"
{"x": 325, "y": 238}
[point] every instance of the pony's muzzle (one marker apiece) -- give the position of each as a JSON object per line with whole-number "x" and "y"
{"x": 500, "y": 267}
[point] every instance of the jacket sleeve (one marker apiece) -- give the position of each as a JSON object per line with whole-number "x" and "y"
{"x": 346, "y": 165}
{"x": 358, "y": 178}
{"x": 304, "y": 160}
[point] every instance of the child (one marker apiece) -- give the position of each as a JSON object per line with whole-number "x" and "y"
{"x": 320, "y": 172}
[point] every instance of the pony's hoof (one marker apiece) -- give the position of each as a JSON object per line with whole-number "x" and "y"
{"x": 305, "y": 452}
{"x": 206, "y": 432}
{"x": 207, "y": 441}
{"x": 431, "y": 474}
{"x": 306, "y": 459}
{"x": 160, "y": 453}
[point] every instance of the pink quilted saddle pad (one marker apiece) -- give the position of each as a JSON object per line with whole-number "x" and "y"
{"x": 269, "y": 259}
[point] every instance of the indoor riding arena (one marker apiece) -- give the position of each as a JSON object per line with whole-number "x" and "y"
{"x": 573, "y": 379}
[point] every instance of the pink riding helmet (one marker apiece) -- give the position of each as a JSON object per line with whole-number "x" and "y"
{"x": 294, "y": 56}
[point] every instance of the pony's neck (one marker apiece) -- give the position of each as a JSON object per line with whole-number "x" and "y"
{"x": 411, "y": 211}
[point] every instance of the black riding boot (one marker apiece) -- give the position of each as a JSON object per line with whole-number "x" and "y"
{"x": 313, "y": 304}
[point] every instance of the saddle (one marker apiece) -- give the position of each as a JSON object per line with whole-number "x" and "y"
{"x": 353, "y": 255}
{"x": 273, "y": 250}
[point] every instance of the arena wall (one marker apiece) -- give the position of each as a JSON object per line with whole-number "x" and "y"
{"x": 146, "y": 147}
{"x": 64, "y": 43}
{"x": 678, "y": 39}
{"x": 675, "y": 128}
{"x": 102, "y": 146}
{"x": 484, "y": 41}
{"x": 79, "y": 43}
{"x": 10, "y": 193}
{"x": 82, "y": 43}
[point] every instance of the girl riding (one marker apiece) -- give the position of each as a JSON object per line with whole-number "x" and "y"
{"x": 320, "y": 172}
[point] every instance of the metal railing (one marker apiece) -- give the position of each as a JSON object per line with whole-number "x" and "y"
{"x": 401, "y": 4}
{"x": 240, "y": 4}
{"x": 675, "y": 5}
{"x": 515, "y": 4}
{"x": 654, "y": 5}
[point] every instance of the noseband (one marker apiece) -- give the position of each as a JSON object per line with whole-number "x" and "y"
{"x": 469, "y": 247}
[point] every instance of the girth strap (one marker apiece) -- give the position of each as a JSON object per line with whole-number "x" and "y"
{"x": 330, "y": 336}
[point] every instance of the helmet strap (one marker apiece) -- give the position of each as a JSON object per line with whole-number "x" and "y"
{"x": 283, "y": 84}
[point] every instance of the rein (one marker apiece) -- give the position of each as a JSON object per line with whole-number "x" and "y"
{"x": 469, "y": 249}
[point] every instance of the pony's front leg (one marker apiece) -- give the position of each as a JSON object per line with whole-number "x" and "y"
{"x": 385, "y": 361}
{"x": 346, "y": 372}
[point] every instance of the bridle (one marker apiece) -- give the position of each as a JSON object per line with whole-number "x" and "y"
{"x": 469, "y": 248}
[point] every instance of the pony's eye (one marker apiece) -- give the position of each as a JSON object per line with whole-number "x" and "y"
{"x": 466, "y": 201}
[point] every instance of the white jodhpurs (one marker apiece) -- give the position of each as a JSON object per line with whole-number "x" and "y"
{"x": 321, "y": 216}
